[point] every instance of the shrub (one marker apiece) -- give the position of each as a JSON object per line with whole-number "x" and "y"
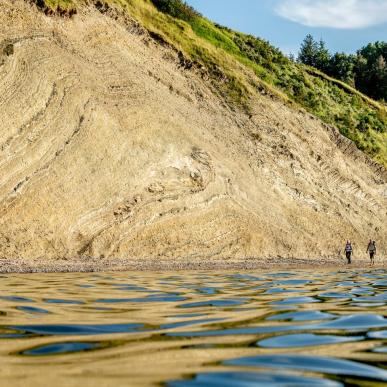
{"x": 176, "y": 8}
{"x": 368, "y": 121}
{"x": 259, "y": 51}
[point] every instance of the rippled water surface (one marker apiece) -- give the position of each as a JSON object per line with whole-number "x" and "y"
{"x": 296, "y": 328}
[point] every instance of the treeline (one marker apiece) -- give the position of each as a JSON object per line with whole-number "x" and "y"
{"x": 366, "y": 70}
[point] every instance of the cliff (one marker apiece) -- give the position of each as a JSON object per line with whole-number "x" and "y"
{"x": 115, "y": 144}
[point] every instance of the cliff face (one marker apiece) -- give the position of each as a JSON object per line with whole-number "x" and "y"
{"x": 111, "y": 147}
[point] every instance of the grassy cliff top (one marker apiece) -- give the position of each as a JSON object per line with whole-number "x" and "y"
{"x": 241, "y": 65}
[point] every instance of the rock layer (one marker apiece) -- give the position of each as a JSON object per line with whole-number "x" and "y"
{"x": 110, "y": 148}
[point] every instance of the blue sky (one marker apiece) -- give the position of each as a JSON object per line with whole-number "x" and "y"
{"x": 345, "y": 25}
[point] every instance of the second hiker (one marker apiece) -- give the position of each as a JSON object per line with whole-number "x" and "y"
{"x": 348, "y": 251}
{"x": 371, "y": 248}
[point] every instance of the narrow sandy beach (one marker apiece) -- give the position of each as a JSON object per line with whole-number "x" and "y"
{"x": 98, "y": 265}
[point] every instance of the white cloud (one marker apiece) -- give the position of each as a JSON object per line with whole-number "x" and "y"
{"x": 343, "y": 14}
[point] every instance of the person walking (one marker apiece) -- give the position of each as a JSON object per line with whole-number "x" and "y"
{"x": 371, "y": 249}
{"x": 348, "y": 251}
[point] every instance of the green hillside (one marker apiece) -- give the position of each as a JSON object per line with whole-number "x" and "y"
{"x": 241, "y": 65}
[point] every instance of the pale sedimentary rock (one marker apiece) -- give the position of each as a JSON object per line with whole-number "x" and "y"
{"x": 110, "y": 148}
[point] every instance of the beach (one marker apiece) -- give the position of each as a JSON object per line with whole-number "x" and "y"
{"x": 86, "y": 265}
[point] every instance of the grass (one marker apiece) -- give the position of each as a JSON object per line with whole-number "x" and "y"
{"x": 240, "y": 64}
{"x": 63, "y": 4}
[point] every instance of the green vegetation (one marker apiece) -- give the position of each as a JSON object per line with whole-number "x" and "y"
{"x": 359, "y": 118}
{"x": 367, "y": 70}
{"x": 240, "y": 65}
{"x": 55, "y": 4}
{"x": 176, "y": 8}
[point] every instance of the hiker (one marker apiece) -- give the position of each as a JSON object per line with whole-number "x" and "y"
{"x": 371, "y": 248}
{"x": 348, "y": 251}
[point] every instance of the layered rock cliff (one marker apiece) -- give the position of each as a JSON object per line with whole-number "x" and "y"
{"x": 112, "y": 147}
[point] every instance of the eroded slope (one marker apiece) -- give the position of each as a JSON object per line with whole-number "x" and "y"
{"x": 111, "y": 147}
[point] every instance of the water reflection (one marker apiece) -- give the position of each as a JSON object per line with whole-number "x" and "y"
{"x": 305, "y": 340}
{"x": 245, "y": 379}
{"x": 312, "y": 363}
{"x": 195, "y": 329}
{"x": 52, "y": 349}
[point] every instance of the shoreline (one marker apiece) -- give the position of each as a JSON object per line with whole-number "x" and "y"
{"x": 8, "y": 266}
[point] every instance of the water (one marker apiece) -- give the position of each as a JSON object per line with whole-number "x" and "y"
{"x": 296, "y": 328}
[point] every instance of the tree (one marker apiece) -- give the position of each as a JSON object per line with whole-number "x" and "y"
{"x": 308, "y": 51}
{"x": 380, "y": 78}
{"x": 367, "y": 70}
{"x": 361, "y": 73}
{"x": 291, "y": 57}
{"x": 323, "y": 56}
{"x": 341, "y": 66}
{"x": 314, "y": 53}
{"x": 370, "y": 70}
